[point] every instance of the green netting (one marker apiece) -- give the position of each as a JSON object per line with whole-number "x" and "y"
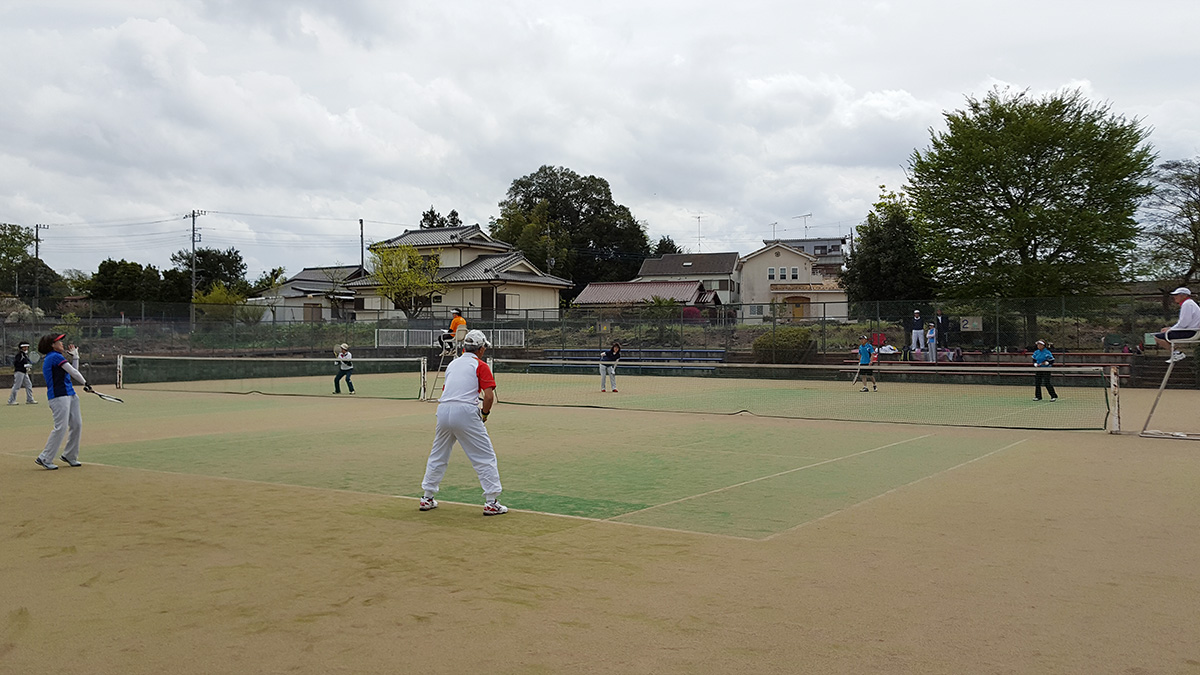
{"x": 400, "y": 378}
{"x": 986, "y": 396}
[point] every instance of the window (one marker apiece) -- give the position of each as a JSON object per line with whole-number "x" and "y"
{"x": 723, "y": 284}
{"x": 770, "y": 272}
{"x": 756, "y": 310}
{"x": 819, "y": 250}
{"x": 360, "y": 303}
{"x": 795, "y": 273}
{"x": 437, "y": 299}
{"x": 835, "y": 248}
{"x": 800, "y": 248}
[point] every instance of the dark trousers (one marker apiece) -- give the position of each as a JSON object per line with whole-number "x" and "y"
{"x": 337, "y": 381}
{"x": 1041, "y": 379}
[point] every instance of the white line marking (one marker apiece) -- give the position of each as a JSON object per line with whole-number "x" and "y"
{"x": 898, "y": 487}
{"x": 774, "y": 475}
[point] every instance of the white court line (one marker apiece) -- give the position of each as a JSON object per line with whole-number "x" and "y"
{"x": 380, "y": 495}
{"x": 884, "y": 494}
{"x": 774, "y": 475}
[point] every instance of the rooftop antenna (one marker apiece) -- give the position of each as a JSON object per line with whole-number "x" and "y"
{"x": 773, "y": 235}
{"x": 805, "y": 216}
{"x": 698, "y": 249}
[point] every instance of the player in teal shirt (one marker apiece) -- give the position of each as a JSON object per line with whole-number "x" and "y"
{"x": 1042, "y": 360}
{"x": 865, "y": 353}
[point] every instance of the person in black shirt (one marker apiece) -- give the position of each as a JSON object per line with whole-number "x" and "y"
{"x": 608, "y": 366}
{"x": 22, "y": 375}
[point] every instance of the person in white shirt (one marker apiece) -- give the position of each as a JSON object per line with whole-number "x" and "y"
{"x": 461, "y": 417}
{"x": 345, "y": 362}
{"x": 1185, "y": 328}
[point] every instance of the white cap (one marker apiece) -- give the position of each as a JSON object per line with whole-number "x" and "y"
{"x": 345, "y": 346}
{"x": 1182, "y": 290}
{"x": 916, "y": 311}
{"x": 476, "y": 338}
{"x": 1040, "y": 342}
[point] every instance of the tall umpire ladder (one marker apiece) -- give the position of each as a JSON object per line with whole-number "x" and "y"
{"x": 446, "y": 356}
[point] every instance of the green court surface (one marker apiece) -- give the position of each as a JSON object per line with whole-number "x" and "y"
{"x": 734, "y": 475}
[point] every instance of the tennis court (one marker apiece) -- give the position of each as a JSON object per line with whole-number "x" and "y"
{"x": 246, "y": 533}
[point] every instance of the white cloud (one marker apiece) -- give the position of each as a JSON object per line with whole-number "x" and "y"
{"x": 372, "y": 109}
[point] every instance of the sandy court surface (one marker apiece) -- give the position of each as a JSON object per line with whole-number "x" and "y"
{"x": 1039, "y": 552}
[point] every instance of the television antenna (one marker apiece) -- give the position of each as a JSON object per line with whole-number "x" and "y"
{"x": 805, "y": 216}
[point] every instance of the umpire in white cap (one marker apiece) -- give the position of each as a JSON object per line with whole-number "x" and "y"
{"x": 1185, "y": 328}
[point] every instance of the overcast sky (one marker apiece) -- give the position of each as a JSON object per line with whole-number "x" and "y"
{"x": 289, "y": 121}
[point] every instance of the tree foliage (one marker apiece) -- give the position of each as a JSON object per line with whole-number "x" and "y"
{"x": 1172, "y": 235}
{"x": 666, "y": 246}
{"x": 604, "y": 242}
{"x": 886, "y": 263}
{"x": 405, "y": 277}
{"x": 213, "y": 266}
{"x": 117, "y": 280}
{"x": 545, "y": 243}
{"x": 432, "y": 218}
{"x": 1028, "y": 197}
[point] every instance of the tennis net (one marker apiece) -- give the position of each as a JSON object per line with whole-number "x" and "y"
{"x": 977, "y": 396}
{"x": 398, "y": 378}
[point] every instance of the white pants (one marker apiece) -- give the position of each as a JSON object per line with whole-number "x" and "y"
{"x": 460, "y": 422}
{"x": 68, "y": 421}
{"x": 22, "y": 380}
{"x": 918, "y": 340}
{"x": 608, "y": 372}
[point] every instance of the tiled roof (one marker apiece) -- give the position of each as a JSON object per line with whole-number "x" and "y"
{"x": 325, "y": 275}
{"x": 689, "y": 263}
{"x": 446, "y": 236}
{"x": 488, "y": 268}
{"x": 632, "y": 292}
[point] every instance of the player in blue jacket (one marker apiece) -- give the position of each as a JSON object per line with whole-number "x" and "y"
{"x": 61, "y": 374}
{"x": 1042, "y": 360}
{"x": 866, "y": 355}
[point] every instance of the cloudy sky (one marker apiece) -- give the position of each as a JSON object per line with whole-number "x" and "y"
{"x": 716, "y": 123}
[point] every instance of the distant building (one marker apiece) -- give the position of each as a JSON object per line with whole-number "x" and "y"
{"x": 717, "y": 271}
{"x": 607, "y": 293}
{"x": 830, "y": 253}
{"x": 779, "y": 280}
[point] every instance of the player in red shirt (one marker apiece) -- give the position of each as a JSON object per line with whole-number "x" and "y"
{"x": 460, "y": 417}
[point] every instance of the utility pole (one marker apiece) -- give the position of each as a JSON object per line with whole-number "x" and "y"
{"x": 362, "y": 246}
{"x": 195, "y": 238}
{"x": 37, "y": 269}
{"x": 698, "y": 235}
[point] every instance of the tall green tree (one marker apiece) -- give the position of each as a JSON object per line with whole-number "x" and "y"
{"x": 606, "y": 243}
{"x": 665, "y": 246}
{"x": 15, "y": 244}
{"x": 432, "y": 218}
{"x": 117, "y": 280}
{"x": 1172, "y": 233}
{"x": 1029, "y": 196}
{"x": 212, "y": 266}
{"x": 545, "y": 243}
{"x": 405, "y": 277}
{"x": 887, "y": 263}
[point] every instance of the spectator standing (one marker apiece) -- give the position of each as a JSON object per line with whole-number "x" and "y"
{"x": 942, "y": 323}
{"x": 917, "y": 327}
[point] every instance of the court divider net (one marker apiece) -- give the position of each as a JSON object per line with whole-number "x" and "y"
{"x": 983, "y": 395}
{"x": 397, "y": 378}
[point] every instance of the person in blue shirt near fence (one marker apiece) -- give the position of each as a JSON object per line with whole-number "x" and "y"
{"x": 1042, "y": 360}
{"x": 866, "y": 353}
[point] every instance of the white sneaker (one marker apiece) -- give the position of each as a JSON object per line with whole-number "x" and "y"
{"x": 494, "y": 509}
{"x": 428, "y": 503}
{"x": 864, "y": 388}
{"x": 1176, "y": 356}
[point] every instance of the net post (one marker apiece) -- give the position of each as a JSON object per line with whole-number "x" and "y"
{"x": 424, "y": 374}
{"x": 376, "y": 338}
{"x": 120, "y": 369}
{"x": 1114, "y": 387}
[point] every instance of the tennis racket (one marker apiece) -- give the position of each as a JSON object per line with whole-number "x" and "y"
{"x": 106, "y": 397}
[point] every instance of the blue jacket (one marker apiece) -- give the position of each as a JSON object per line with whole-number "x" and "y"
{"x": 864, "y": 354}
{"x": 58, "y": 380}
{"x": 1041, "y": 355}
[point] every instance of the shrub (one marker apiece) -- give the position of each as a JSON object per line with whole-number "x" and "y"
{"x": 785, "y": 344}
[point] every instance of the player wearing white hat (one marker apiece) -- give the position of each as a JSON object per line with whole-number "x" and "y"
{"x": 461, "y": 418}
{"x": 22, "y": 367}
{"x": 1187, "y": 325}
